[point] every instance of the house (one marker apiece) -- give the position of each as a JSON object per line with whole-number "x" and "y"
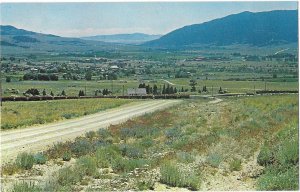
{"x": 136, "y": 91}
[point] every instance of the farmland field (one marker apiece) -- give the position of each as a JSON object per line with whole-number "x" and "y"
{"x": 236, "y": 144}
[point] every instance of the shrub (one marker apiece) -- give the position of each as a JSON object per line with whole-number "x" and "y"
{"x": 81, "y": 147}
{"x": 106, "y": 155}
{"x": 69, "y": 176}
{"x": 88, "y": 165}
{"x": 40, "y": 158}
{"x": 235, "y": 165}
{"x": 125, "y": 165}
{"x": 274, "y": 179}
{"x": 67, "y": 156}
{"x": 103, "y": 133}
{"x": 265, "y": 156}
{"x": 131, "y": 151}
{"x": 173, "y": 133}
{"x": 25, "y": 160}
{"x": 146, "y": 142}
{"x": 25, "y": 187}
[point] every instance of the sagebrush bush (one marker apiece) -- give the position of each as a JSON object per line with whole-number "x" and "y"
{"x": 131, "y": 151}
{"x": 104, "y": 156}
{"x": 25, "y": 160}
{"x": 185, "y": 157}
{"x": 103, "y": 133}
{"x": 40, "y": 158}
{"x": 81, "y": 147}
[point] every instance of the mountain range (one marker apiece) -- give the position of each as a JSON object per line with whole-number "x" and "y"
{"x": 246, "y": 28}
{"x": 134, "y": 38}
{"x": 255, "y": 29}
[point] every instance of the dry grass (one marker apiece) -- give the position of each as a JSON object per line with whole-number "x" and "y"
{"x": 22, "y": 114}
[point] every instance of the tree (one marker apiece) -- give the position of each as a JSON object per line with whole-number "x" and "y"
{"x": 81, "y": 93}
{"x": 155, "y": 90}
{"x": 164, "y": 89}
{"x": 204, "y": 89}
{"x": 193, "y": 84}
{"x": 52, "y": 94}
{"x": 182, "y": 90}
{"x": 33, "y": 92}
{"x": 220, "y": 90}
{"x": 88, "y": 76}
{"x": 175, "y": 90}
{"x": 8, "y": 79}
{"x": 44, "y": 92}
{"x": 63, "y": 93}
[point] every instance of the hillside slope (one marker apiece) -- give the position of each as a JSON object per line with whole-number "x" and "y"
{"x": 258, "y": 29}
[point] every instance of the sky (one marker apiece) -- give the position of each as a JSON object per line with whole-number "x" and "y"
{"x": 88, "y": 19}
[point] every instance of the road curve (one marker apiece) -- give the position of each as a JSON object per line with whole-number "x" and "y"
{"x": 39, "y": 138}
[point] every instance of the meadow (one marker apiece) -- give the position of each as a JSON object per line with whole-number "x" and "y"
{"x": 245, "y": 143}
{"x": 23, "y": 114}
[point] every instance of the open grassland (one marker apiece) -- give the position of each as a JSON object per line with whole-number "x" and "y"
{"x": 244, "y": 143}
{"x": 23, "y": 114}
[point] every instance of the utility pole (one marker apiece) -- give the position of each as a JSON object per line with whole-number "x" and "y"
{"x": 254, "y": 89}
{"x": 123, "y": 90}
{"x": 85, "y": 89}
{"x": 212, "y": 91}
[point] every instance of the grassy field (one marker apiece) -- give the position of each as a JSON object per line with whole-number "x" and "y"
{"x": 237, "y": 144}
{"x": 72, "y": 87}
{"x": 23, "y": 114}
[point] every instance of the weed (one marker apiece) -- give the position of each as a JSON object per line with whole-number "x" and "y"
{"x": 88, "y": 165}
{"x": 235, "y": 165}
{"x": 125, "y": 165}
{"x": 214, "y": 160}
{"x": 25, "y": 160}
{"x": 185, "y": 157}
{"x": 10, "y": 169}
{"x": 25, "y": 187}
{"x": 67, "y": 156}
{"x": 90, "y": 134}
{"x": 173, "y": 176}
{"x": 69, "y": 176}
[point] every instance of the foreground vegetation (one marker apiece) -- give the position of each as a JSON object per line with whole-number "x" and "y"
{"x": 188, "y": 146}
{"x": 23, "y": 114}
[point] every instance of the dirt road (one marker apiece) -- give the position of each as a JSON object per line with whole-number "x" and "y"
{"x": 39, "y": 138}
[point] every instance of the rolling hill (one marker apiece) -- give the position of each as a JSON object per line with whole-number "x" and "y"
{"x": 14, "y": 40}
{"x": 255, "y": 29}
{"x": 134, "y": 38}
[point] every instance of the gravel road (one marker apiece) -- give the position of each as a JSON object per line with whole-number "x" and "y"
{"x": 39, "y": 138}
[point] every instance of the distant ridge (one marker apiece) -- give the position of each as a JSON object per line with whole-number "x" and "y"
{"x": 14, "y": 40}
{"x": 258, "y": 29}
{"x": 134, "y": 38}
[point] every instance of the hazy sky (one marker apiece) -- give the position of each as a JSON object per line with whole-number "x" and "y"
{"x": 84, "y": 19}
